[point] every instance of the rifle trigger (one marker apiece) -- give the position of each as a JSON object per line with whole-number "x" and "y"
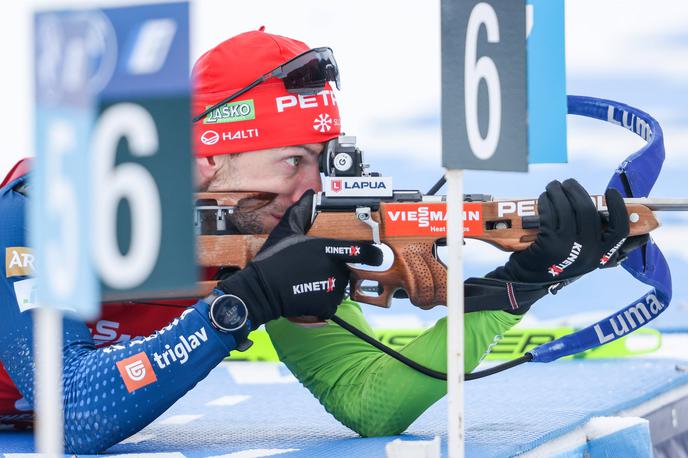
{"x": 363, "y": 214}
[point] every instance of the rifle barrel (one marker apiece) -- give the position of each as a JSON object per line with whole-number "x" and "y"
{"x": 676, "y": 204}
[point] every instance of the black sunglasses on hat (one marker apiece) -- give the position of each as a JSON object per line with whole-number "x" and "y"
{"x": 305, "y": 74}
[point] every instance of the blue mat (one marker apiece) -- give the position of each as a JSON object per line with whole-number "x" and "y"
{"x": 259, "y": 407}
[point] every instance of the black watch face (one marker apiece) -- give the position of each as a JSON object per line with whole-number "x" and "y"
{"x": 229, "y": 312}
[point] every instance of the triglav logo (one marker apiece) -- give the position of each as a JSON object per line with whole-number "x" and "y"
{"x": 136, "y": 371}
{"x": 182, "y": 350}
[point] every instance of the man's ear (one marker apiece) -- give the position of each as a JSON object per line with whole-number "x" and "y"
{"x": 206, "y": 167}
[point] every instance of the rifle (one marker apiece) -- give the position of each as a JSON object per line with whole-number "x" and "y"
{"x": 363, "y": 207}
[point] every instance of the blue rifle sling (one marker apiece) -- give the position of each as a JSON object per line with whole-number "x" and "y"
{"x": 635, "y": 177}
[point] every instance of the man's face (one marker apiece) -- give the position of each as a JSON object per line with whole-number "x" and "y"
{"x": 287, "y": 172}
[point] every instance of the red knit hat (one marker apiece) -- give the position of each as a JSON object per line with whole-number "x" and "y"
{"x": 267, "y": 116}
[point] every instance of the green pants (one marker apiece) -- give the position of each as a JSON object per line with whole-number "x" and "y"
{"x": 365, "y": 389}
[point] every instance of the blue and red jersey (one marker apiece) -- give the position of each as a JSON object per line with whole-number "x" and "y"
{"x": 120, "y": 372}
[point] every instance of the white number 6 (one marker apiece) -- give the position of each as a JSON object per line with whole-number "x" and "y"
{"x": 129, "y": 181}
{"x": 474, "y": 71}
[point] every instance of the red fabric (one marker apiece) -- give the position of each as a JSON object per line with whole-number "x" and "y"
{"x": 269, "y": 116}
{"x": 20, "y": 168}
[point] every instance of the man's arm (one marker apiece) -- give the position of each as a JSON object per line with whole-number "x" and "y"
{"x": 112, "y": 392}
{"x": 366, "y": 389}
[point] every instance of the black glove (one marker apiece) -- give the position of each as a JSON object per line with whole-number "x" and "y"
{"x": 631, "y": 244}
{"x": 295, "y": 275}
{"x": 571, "y": 241}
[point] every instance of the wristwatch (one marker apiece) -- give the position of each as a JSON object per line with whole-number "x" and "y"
{"x": 228, "y": 314}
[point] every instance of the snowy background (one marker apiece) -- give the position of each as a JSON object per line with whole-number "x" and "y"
{"x": 389, "y": 54}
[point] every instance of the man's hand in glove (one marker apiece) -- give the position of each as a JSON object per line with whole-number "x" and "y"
{"x": 295, "y": 275}
{"x": 571, "y": 241}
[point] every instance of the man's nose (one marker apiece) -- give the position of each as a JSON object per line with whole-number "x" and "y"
{"x": 309, "y": 178}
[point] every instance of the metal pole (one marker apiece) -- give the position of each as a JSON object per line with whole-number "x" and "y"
{"x": 679, "y": 204}
{"x": 48, "y": 390}
{"x": 455, "y": 307}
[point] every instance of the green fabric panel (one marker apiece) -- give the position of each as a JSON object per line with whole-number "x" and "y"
{"x": 365, "y": 389}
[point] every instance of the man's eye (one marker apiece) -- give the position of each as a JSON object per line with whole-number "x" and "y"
{"x": 293, "y": 160}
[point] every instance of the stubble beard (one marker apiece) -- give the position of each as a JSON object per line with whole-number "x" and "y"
{"x": 247, "y": 222}
{"x": 257, "y": 221}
